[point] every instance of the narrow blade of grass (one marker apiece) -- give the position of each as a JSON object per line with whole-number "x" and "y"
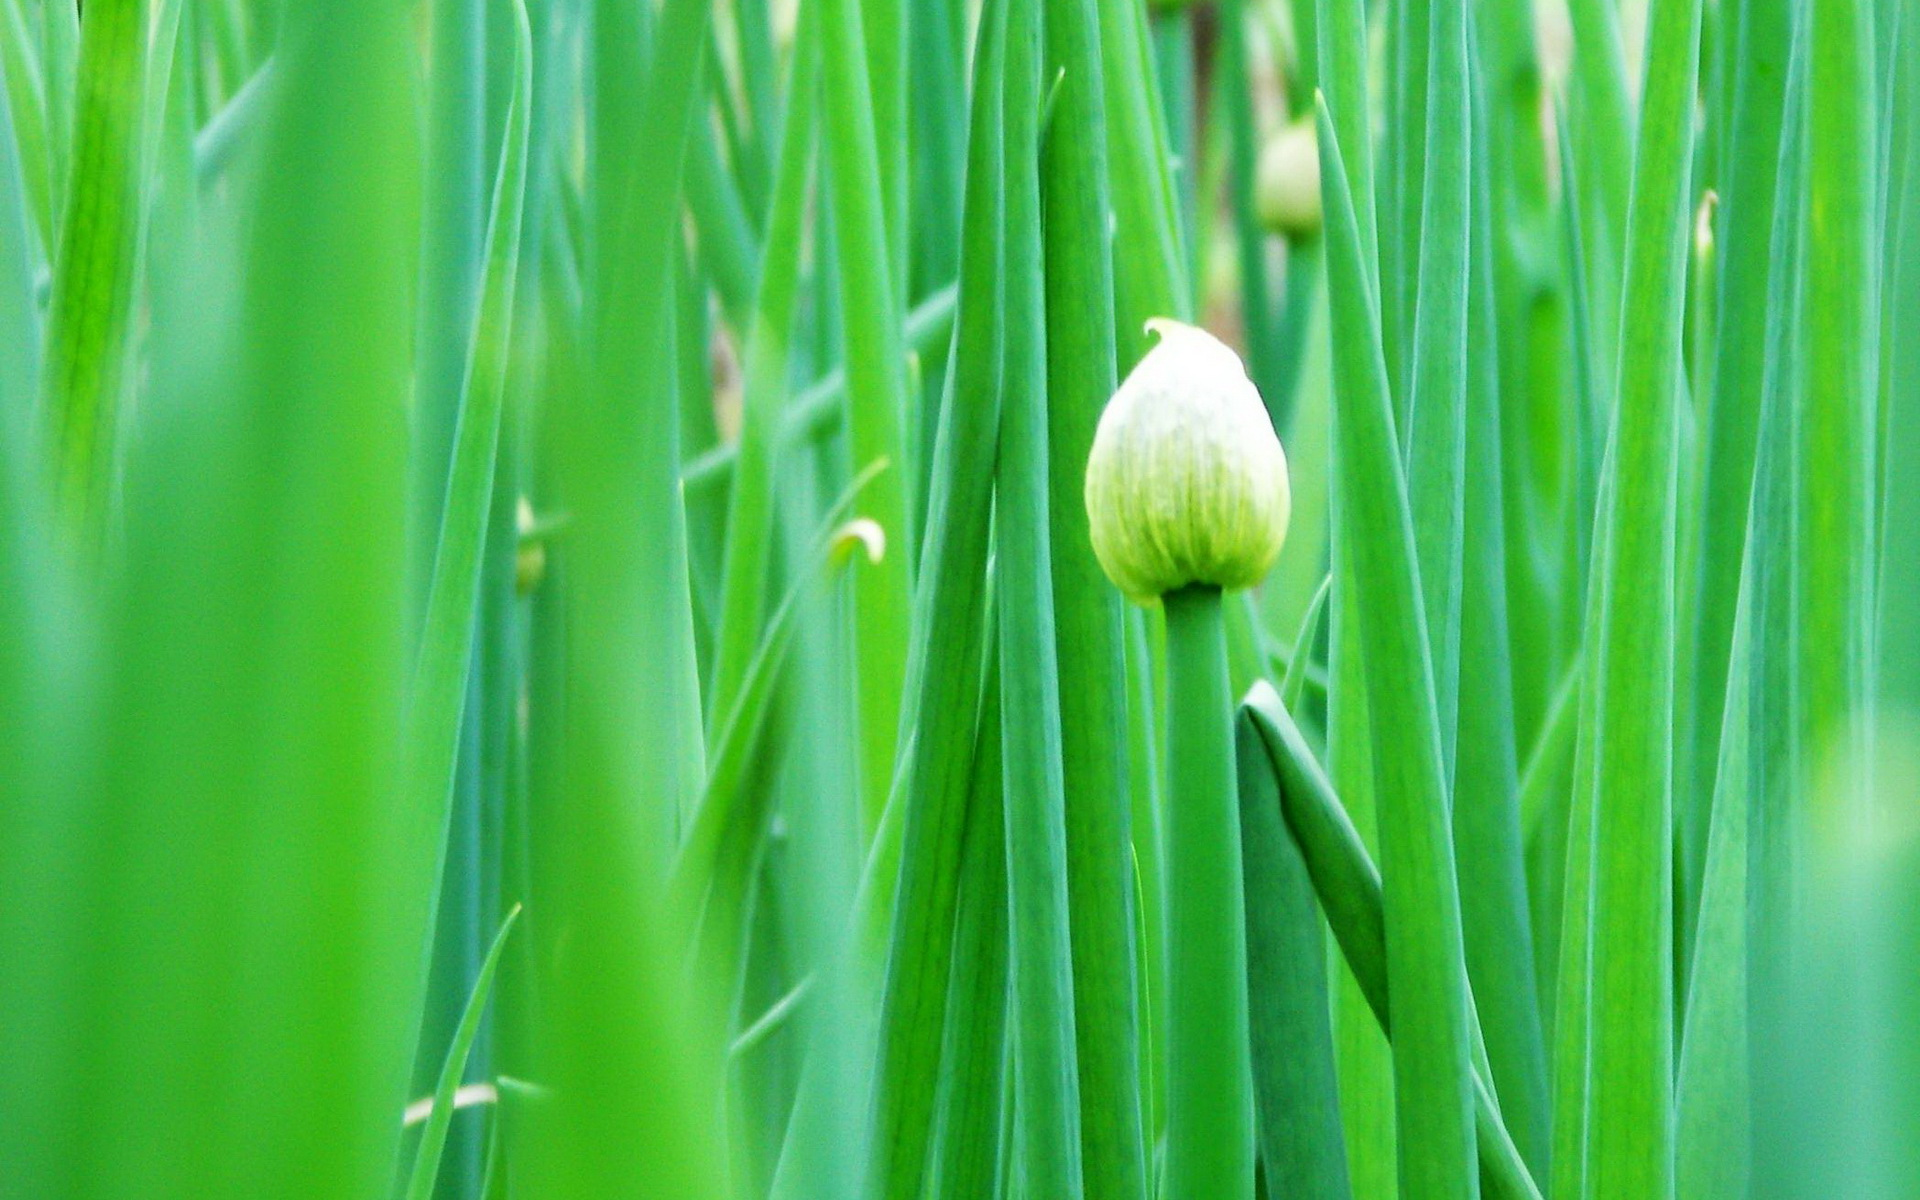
{"x": 1774, "y": 860}
{"x": 1259, "y": 308}
{"x": 1899, "y": 614}
{"x": 453, "y": 258}
{"x": 1562, "y": 886}
{"x": 1342, "y": 25}
{"x": 1517, "y": 79}
{"x": 1293, "y": 685}
{"x": 1410, "y": 28}
{"x": 59, "y": 65}
{"x": 822, "y": 825}
{"x": 433, "y": 1138}
{"x": 1584, "y": 374}
{"x": 1364, "y": 1058}
{"x": 730, "y": 246}
{"x": 1600, "y": 120}
{"x": 887, "y": 24}
{"x": 1546, "y": 788}
{"x": 221, "y": 140}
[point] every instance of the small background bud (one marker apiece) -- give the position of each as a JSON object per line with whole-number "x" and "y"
{"x": 1288, "y": 188}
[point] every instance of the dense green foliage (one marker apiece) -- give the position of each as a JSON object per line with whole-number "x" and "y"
{"x": 550, "y": 643}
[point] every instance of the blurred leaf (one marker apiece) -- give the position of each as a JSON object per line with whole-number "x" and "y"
{"x": 438, "y": 694}
{"x": 750, "y": 525}
{"x": 90, "y": 319}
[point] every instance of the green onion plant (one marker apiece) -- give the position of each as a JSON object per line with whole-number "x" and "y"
{"x": 702, "y": 599}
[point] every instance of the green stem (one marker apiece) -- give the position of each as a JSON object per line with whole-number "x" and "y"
{"x": 1209, "y": 1081}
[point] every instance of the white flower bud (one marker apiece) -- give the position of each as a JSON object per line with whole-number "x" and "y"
{"x": 1288, "y": 186}
{"x": 1186, "y": 483}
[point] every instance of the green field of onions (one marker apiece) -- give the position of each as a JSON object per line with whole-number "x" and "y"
{"x": 565, "y": 630}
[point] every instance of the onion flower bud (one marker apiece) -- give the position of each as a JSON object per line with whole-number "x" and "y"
{"x": 1186, "y": 483}
{"x": 1287, "y": 185}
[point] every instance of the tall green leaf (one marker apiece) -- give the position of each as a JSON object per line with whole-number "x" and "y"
{"x": 1089, "y": 626}
{"x": 1834, "y": 435}
{"x": 946, "y": 671}
{"x": 1746, "y": 218}
{"x": 1600, "y": 122}
{"x": 452, "y": 254}
{"x": 1433, "y": 1091}
{"x": 1046, "y": 1099}
{"x": 251, "y": 826}
{"x": 1366, "y": 1086}
{"x": 1151, "y": 275}
{"x": 1712, "y": 1127}
{"x": 1434, "y": 432}
{"x": 967, "y": 1157}
{"x": 750, "y": 511}
{"x": 1629, "y": 1115}
{"x": 631, "y": 1083}
{"x": 876, "y": 390}
{"x": 26, "y": 131}
{"x": 1486, "y": 806}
